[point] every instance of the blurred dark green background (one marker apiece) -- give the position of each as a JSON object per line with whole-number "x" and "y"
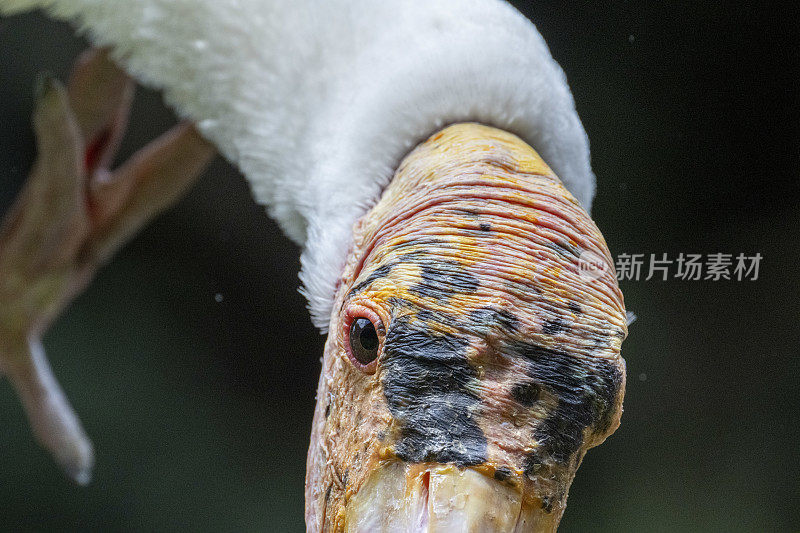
{"x": 200, "y": 409}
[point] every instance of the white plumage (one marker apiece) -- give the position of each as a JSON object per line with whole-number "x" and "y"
{"x": 317, "y": 102}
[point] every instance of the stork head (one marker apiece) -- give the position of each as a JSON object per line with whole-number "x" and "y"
{"x": 474, "y": 348}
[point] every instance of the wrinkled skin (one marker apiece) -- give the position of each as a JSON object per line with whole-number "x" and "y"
{"x": 499, "y": 361}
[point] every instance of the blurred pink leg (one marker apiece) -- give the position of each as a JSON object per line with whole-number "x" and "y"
{"x": 71, "y": 215}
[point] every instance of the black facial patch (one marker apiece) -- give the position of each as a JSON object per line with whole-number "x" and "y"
{"x": 485, "y": 226}
{"x": 444, "y": 279}
{"x": 425, "y": 381}
{"x": 575, "y": 308}
{"x": 607, "y": 382}
{"x": 553, "y": 327}
{"x": 586, "y": 392}
{"x": 526, "y": 394}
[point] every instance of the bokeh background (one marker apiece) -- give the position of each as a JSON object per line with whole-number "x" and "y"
{"x": 192, "y": 362}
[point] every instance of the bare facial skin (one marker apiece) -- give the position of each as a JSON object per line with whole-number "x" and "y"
{"x": 471, "y": 362}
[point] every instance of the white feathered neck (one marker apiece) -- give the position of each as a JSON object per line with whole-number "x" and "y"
{"x": 317, "y": 101}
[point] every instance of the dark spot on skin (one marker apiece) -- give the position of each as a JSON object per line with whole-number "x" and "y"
{"x": 485, "y": 226}
{"x": 425, "y": 385}
{"x": 502, "y": 473}
{"x": 410, "y": 257}
{"x": 439, "y": 317}
{"x": 398, "y": 303}
{"x": 381, "y": 436}
{"x": 554, "y": 327}
{"x": 575, "y": 308}
{"x": 586, "y": 391}
{"x": 328, "y": 493}
{"x": 491, "y": 318}
{"x": 444, "y": 279}
{"x": 421, "y": 241}
{"x": 601, "y": 339}
{"x": 416, "y": 256}
{"x": 525, "y": 394}
{"x": 327, "y": 410}
{"x": 532, "y": 464}
{"x": 521, "y": 288}
{"x": 345, "y": 476}
{"x": 379, "y": 273}
{"x": 601, "y": 342}
{"x": 547, "y": 504}
{"x": 564, "y": 248}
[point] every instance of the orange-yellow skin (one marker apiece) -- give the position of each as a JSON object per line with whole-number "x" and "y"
{"x": 474, "y": 241}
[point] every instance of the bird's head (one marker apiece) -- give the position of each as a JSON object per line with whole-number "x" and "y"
{"x": 474, "y": 349}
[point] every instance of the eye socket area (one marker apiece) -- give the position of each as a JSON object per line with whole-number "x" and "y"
{"x": 363, "y": 333}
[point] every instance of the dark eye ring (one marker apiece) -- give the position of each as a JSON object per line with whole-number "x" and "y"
{"x": 363, "y": 332}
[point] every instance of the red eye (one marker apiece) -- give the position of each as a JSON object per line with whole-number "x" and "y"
{"x": 363, "y": 330}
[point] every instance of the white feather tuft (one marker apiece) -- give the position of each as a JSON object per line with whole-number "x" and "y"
{"x": 317, "y": 102}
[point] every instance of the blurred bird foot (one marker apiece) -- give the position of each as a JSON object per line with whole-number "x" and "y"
{"x": 72, "y": 214}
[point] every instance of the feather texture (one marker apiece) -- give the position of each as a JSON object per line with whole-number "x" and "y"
{"x": 317, "y": 102}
